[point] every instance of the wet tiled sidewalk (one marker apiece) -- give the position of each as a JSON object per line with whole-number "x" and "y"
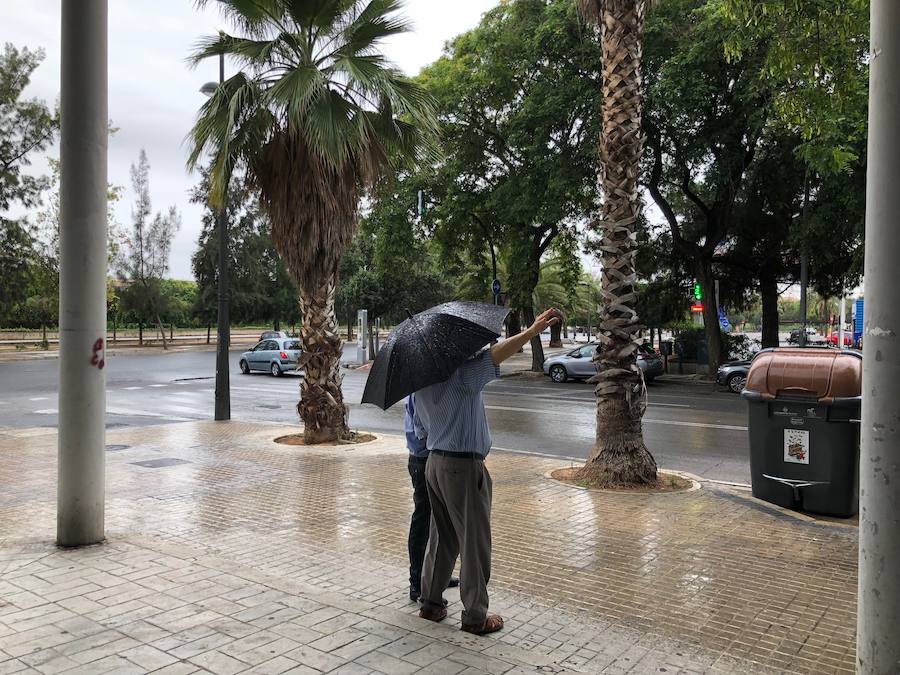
{"x": 237, "y": 554}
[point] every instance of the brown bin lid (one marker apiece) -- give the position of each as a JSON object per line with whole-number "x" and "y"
{"x": 821, "y": 374}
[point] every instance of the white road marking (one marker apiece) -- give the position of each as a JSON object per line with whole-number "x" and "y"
{"x": 159, "y": 385}
{"x": 676, "y": 423}
{"x": 47, "y": 411}
{"x": 583, "y": 401}
{"x": 132, "y": 388}
{"x": 39, "y": 398}
{"x": 130, "y": 412}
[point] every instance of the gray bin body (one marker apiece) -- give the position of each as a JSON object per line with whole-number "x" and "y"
{"x": 804, "y": 455}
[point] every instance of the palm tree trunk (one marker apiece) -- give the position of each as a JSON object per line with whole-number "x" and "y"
{"x": 321, "y": 405}
{"x": 556, "y": 335}
{"x": 619, "y": 455}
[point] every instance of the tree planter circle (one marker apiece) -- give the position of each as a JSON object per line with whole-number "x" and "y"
{"x": 298, "y": 440}
{"x": 670, "y": 482}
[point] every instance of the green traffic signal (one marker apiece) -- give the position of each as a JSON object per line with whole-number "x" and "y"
{"x": 698, "y": 292}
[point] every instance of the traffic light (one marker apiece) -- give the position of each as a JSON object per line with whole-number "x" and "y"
{"x": 698, "y": 293}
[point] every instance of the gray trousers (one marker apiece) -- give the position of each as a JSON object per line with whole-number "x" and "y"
{"x": 459, "y": 490}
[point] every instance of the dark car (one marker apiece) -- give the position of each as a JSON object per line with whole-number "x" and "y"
{"x": 733, "y": 375}
{"x": 578, "y": 364}
{"x": 812, "y": 337}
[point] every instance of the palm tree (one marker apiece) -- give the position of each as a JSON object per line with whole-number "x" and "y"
{"x": 316, "y": 116}
{"x": 619, "y": 455}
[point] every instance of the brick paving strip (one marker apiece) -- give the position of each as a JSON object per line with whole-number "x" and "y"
{"x": 229, "y": 553}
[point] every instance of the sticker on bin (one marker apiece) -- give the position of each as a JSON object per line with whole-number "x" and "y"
{"x": 796, "y": 446}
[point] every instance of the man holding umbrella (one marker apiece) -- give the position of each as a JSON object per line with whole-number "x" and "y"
{"x": 431, "y": 354}
{"x": 451, "y": 415}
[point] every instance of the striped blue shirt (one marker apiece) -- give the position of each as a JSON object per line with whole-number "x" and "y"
{"x": 416, "y": 446}
{"x": 450, "y": 414}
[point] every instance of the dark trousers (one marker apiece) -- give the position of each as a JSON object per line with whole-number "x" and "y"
{"x": 420, "y": 522}
{"x": 460, "y": 492}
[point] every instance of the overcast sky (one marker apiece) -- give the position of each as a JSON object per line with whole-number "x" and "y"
{"x": 153, "y": 95}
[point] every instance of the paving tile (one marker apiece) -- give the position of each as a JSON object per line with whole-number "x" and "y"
{"x": 217, "y": 662}
{"x": 308, "y": 549}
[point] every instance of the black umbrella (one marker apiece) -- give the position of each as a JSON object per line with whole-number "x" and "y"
{"x": 428, "y": 347}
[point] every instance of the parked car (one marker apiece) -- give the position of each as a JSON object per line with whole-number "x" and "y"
{"x": 848, "y": 339}
{"x": 733, "y": 375}
{"x": 273, "y": 335}
{"x": 812, "y": 337}
{"x": 578, "y": 364}
{"x": 274, "y": 356}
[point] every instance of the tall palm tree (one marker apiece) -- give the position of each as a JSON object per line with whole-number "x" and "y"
{"x": 619, "y": 455}
{"x": 316, "y": 115}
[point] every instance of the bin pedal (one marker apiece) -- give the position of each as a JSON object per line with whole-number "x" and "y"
{"x": 795, "y": 485}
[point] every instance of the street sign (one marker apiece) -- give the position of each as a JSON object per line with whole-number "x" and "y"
{"x": 495, "y": 287}
{"x": 858, "y": 320}
{"x": 723, "y": 320}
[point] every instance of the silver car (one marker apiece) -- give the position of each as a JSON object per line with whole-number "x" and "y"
{"x": 733, "y": 375}
{"x": 578, "y": 364}
{"x": 274, "y": 356}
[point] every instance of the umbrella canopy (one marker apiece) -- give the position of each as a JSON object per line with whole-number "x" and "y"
{"x": 428, "y": 347}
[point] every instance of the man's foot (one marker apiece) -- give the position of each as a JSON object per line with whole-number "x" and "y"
{"x": 491, "y": 624}
{"x": 454, "y": 582}
{"x": 415, "y": 595}
{"x": 432, "y": 614}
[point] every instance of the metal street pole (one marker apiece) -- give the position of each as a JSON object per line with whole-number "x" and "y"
{"x": 804, "y": 265}
{"x": 81, "y": 489}
{"x": 877, "y": 646}
{"x": 223, "y": 323}
{"x": 843, "y": 320}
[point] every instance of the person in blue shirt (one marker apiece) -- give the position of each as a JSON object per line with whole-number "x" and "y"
{"x": 450, "y": 417}
{"x": 420, "y": 522}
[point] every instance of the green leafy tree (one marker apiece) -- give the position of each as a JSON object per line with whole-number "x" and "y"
{"x": 27, "y": 127}
{"x": 517, "y": 98}
{"x": 260, "y": 289}
{"x": 145, "y": 261}
{"x": 816, "y": 65}
{"x": 316, "y": 115}
{"x": 705, "y": 118}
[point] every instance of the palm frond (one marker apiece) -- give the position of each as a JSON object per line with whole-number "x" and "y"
{"x": 316, "y": 115}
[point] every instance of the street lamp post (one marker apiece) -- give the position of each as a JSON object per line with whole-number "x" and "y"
{"x": 81, "y": 466}
{"x": 877, "y": 646}
{"x": 223, "y": 325}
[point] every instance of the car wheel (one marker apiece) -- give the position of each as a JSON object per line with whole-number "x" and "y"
{"x": 245, "y": 369}
{"x": 275, "y": 370}
{"x": 558, "y": 374}
{"x": 736, "y": 382}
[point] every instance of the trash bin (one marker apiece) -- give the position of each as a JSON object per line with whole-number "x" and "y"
{"x": 804, "y": 411}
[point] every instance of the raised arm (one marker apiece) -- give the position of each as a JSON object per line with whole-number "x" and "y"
{"x": 503, "y": 350}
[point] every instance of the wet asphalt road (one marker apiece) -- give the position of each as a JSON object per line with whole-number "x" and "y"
{"x": 688, "y": 427}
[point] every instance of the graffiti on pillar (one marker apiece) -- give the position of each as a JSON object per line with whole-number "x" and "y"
{"x": 97, "y": 355}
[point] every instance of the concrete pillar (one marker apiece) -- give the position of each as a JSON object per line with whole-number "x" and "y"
{"x": 877, "y": 644}
{"x": 83, "y": 263}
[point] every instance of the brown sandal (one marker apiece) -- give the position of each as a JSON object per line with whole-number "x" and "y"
{"x": 436, "y": 615}
{"x": 491, "y": 624}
